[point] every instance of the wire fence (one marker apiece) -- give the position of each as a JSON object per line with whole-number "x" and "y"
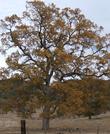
{"x": 16, "y": 130}
{"x": 10, "y": 124}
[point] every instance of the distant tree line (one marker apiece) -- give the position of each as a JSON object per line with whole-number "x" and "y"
{"x": 88, "y": 97}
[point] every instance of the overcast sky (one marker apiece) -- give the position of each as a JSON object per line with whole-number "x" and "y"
{"x": 96, "y": 10}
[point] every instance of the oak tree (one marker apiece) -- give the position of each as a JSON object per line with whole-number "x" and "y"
{"x": 48, "y": 45}
{"x": 95, "y": 99}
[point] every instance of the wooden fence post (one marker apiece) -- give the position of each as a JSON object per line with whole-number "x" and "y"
{"x": 23, "y": 126}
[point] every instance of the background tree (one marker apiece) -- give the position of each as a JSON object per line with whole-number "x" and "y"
{"x": 16, "y": 96}
{"x": 95, "y": 99}
{"x": 47, "y": 44}
{"x": 95, "y": 95}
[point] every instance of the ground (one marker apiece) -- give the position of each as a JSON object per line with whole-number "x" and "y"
{"x": 10, "y": 124}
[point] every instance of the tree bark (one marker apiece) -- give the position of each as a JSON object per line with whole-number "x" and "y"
{"x": 23, "y": 126}
{"x": 45, "y": 123}
{"x": 45, "y": 119}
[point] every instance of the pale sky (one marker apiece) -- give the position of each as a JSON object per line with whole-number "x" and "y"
{"x": 96, "y": 10}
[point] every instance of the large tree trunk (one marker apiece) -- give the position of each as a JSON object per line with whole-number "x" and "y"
{"x": 45, "y": 123}
{"x": 45, "y": 118}
{"x": 23, "y": 126}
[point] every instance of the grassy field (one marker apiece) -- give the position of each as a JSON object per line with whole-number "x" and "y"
{"x": 10, "y": 124}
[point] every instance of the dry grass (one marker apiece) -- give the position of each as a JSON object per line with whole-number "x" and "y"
{"x": 10, "y": 124}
